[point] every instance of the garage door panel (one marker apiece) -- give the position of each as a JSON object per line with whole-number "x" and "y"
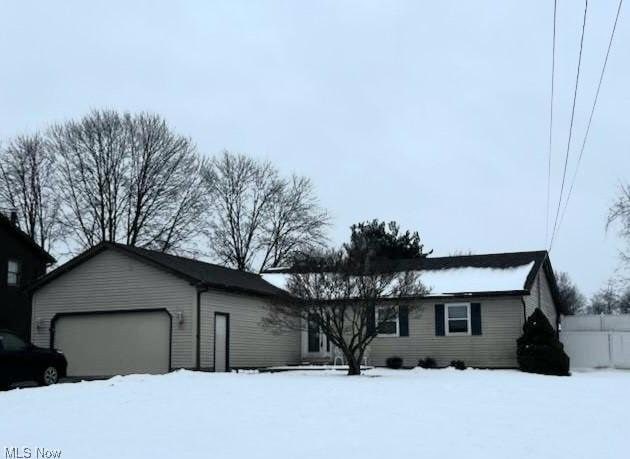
{"x": 114, "y": 343}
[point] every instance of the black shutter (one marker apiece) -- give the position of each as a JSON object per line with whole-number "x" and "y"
{"x": 475, "y": 318}
{"x": 371, "y": 320}
{"x": 439, "y": 320}
{"x": 403, "y": 320}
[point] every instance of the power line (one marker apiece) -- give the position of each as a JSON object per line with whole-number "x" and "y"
{"x": 590, "y": 118}
{"x": 566, "y": 156}
{"x": 553, "y": 72}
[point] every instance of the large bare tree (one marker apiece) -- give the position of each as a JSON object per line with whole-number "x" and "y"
{"x": 353, "y": 294}
{"x": 259, "y": 219}
{"x": 619, "y": 214}
{"x": 166, "y": 194}
{"x": 28, "y": 185}
{"x": 349, "y": 302}
{"x": 129, "y": 178}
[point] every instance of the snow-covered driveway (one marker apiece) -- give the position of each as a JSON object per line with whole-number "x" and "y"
{"x": 323, "y": 415}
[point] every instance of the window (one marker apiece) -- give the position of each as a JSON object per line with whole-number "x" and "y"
{"x": 457, "y": 318}
{"x": 10, "y": 342}
{"x": 387, "y": 321}
{"x": 13, "y": 273}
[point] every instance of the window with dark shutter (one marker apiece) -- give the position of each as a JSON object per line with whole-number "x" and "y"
{"x": 475, "y": 318}
{"x": 403, "y": 320}
{"x": 439, "y": 320}
{"x": 371, "y": 320}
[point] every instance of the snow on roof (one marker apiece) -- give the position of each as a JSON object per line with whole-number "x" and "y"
{"x": 471, "y": 280}
{"x": 455, "y": 280}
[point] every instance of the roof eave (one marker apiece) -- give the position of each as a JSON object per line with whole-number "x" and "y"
{"x": 442, "y": 296}
{"x": 36, "y": 248}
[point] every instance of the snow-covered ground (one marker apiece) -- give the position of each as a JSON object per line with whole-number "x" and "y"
{"x": 383, "y": 414}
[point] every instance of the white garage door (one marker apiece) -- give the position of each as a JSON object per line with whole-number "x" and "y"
{"x": 116, "y": 343}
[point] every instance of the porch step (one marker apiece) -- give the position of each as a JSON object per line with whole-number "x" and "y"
{"x": 317, "y": 361}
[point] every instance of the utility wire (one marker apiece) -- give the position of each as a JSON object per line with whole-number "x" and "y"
{"x": 590, "y": 118}
{"x": 566, "y": 156}
{"x": 553, "y": 73}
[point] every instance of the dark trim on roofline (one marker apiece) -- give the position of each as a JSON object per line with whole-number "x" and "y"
{"x": 6, "y": 222}
{"x": 61, "y": 315}
{"x": 553, "y": 287}
{"x": 506, "y": 293}
{"x": 499, "y": 260}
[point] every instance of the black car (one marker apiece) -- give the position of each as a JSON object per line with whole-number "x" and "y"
{"x": 21, "y": 361}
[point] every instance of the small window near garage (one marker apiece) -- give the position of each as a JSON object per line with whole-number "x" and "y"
{"x": 13, "y": 273}
{"x": 457, "y": 318}
{"x": 387, "y": 321}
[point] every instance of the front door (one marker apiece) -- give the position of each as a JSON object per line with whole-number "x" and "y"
{"x": 221, "y": 342}
{"x": 317, "y": 345}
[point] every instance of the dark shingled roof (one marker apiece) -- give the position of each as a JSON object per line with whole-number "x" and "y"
{"x": 491, "y": 260}
{"x": 6, "y": 222}
{"x": 540, "y": 258}
{"x": 196, "y": 272}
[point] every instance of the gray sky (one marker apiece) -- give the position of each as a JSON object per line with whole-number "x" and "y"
{"x": 434, "y": 114}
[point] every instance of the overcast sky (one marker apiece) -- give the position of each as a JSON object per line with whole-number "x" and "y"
{"x": 434, "y": 114}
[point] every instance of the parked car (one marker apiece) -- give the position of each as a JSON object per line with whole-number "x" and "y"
{"x": 21, "y": 361}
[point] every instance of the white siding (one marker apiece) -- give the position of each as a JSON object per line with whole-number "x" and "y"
{"x": 540, "y": 297}
{"x": 110, "y": 281}
{"x": 501, "y": 322}
{"x": 250, "y": 345}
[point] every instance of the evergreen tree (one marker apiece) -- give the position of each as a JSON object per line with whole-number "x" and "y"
{"x": 380, "y": 241}
{"x": 571, "y": 300}
{"x": 539, "y": 350}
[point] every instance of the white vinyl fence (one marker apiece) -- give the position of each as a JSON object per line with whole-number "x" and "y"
{"x": 597, "y": 341}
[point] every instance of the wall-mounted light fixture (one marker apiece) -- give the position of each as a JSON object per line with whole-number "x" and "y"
{"x": 179, "y": 317}
{"x": 40, "y": 324}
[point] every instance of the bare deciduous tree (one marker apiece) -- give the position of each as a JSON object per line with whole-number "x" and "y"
{"x": 340, "y": 297}
{"x": 92, "y": 154}
{"x": 620, "y": 213}
{"x": 605, "y": 300}
{"x": 166, "y": 197}
{"x": 353, "y": 294}
{"x": 259, "y": 218}
{"x": 28, "y": 185}
{"x": 129, "y": 178}
{"x": 295, "y": 223}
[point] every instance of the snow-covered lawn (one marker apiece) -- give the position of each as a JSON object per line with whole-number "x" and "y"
{"x": 383, "y": 414}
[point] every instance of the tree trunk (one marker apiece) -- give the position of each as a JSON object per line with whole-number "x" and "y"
{"x": 354, "y": 365}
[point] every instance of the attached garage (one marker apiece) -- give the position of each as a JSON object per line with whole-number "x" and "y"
{"x": 114, "y": 342}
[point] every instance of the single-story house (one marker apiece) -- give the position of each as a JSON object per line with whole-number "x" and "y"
{"x": 116, "y": 309}
{"x": 474, "y": 312}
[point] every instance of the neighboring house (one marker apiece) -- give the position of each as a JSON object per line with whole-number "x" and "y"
{"x": 117, "y": 309}
{"x": 475, "y": 311}
{"x": 21, "y": 262}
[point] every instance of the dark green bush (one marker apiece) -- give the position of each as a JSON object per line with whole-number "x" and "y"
{"x": 395, "y": 363}
{"x": 539, "y": 350}
{"x": 458, "y": 364}
{"x": 427, "y": 362}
